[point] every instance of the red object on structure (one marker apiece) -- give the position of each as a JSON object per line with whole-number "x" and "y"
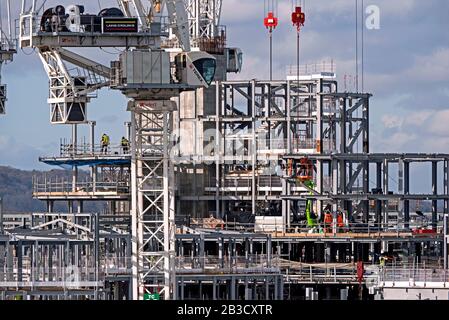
{"x": 298, "y": 18}
{"x": 305, "y": 170}
{"x": 270, "y": 21}
{"x": 360, "y": 271}
{"x": 423, "y": 231}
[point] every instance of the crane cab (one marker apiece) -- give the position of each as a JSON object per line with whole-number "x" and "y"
{"x": 196, "y": 68}
{"x": 234, "y": 60}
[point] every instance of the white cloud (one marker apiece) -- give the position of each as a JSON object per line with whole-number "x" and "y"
{"x": 392, "y": 121}
{"x": 419, "y": 131}
{"x": 432, "y": 67}
{"x": 417, "y": 118}
{"x": 439, "y": 124}
{"x": 395, "y": 142}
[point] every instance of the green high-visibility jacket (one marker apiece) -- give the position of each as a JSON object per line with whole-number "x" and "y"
{"x": 311, "y": 218}
{"x": 105, "y": 139}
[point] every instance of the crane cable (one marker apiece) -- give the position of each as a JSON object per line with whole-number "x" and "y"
{"x": 363, "y": 48}
{"x": 271, "y": 7}
{"x": 361, "y": 61}
{"x": 357, "y": 45}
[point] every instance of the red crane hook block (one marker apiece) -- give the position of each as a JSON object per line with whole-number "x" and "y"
{"x": 298, "y": 18}
{"x": 270, "y": 21}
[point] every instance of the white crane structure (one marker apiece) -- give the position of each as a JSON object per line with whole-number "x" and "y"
{"x": 8, "y": 46}
{"x": 53, "y": 32}
{"x": 204, "y": 18}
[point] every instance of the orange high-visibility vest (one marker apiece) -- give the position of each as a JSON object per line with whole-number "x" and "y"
{"x": 340, "y": 221}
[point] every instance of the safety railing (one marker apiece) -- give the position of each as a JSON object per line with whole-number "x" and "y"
{"x": 255, "y": 263}
{"x": 246, "y": 181}
{"x": 242, "y": 183}
{"x": 57, "y": 185}
{"x": 306, "y": 109}
{"x": 113, "y": 265}
{"x": 269, "y": 182}
{"x": 319, "y": 272}
{"x": 312, "y": 68}
{"x": 371, "y": 229}
{"x": 413, "y": 274}
{"x": 87, "y": 150}
{"x": 298, "y": 144}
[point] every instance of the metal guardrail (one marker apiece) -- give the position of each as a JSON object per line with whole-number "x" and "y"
{"x": 87, "y": 150}
{"x": 312, "y": 68}
{"x": 318, "y": 274}
{"x": 65, "y": 186}
{"x": 407, "y": 274}
{"x": 112, "y": 265}
{"x": 261, "y": 263}
{"x": 371, "y": 229}
{"x": 242, "y": 146}
{"x": 298, "y": 144}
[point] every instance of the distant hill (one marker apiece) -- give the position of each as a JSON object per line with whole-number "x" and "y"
{"x": 16, "y": 190}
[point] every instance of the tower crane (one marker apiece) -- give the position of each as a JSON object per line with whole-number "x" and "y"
{"x": 146, "y": 74}
{"x": 8, "y": 47}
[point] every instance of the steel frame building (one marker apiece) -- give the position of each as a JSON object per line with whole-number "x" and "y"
{"x": 220, "y": 153}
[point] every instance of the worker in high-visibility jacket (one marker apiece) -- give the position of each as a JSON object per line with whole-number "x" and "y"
{"x": 328, "y": 219}
{"x": 125, "y": 145}
{"x": 104, "y": 143}
{"x": 310, "y": 215}
{"x": 340, "y": 221}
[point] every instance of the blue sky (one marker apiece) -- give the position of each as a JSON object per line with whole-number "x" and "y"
{"x": 406, "y": 69}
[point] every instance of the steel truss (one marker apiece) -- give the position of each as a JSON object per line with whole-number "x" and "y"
{"x": 204, "y": 18}
{"x": 152, "y": 202}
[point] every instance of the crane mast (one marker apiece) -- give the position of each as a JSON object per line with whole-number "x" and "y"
{"x": 8, "y": 47}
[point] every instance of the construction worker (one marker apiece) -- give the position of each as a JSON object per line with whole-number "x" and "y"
{"x": 382, "y": 261}
{"x": 310, "y": 215}
{"x": 125, "y": 145}
{"x": 104, "y": 143}
{"x": 340, "y": 221}
{"x": 328, "y": 219}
